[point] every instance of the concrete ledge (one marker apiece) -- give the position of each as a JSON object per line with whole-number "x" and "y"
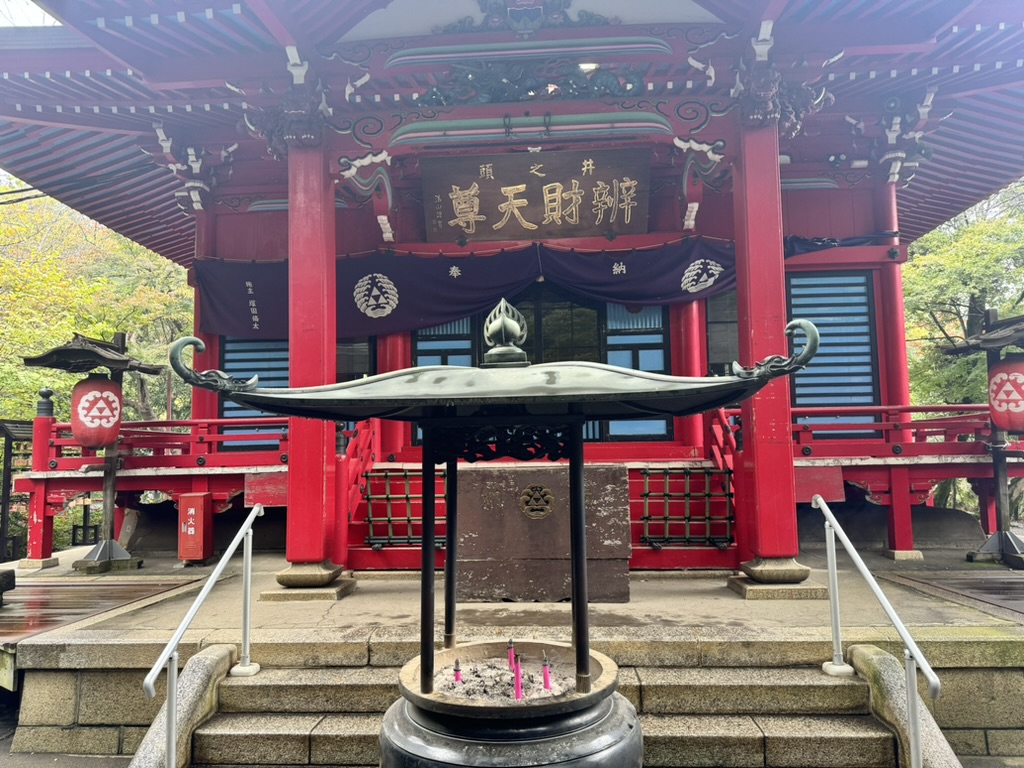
{"x": 197, "y": 699}
{"x": 749, "y": 589}
{"x": 888, "y": 683}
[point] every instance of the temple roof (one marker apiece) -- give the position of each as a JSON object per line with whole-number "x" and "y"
{"x": 89, "y": 111}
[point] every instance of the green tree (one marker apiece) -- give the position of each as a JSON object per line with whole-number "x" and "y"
{"x": 973, "y": 263}
{"x": 61, "y": 273}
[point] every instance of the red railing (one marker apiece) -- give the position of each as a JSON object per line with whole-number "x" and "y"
{"x": 162, "y": 444}
{"x": 869, "y": 431}
{"x": 360, "y": 454}
{"x": 929, "y": 430}
{"x": 722, "y": 447}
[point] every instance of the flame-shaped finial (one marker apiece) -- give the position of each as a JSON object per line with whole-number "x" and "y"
{"x": 504, "y": 331}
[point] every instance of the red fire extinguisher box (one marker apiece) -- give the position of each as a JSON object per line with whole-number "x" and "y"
{"x": 195, "y": 526}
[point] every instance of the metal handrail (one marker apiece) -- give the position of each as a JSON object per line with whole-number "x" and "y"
{"x": 169, "y": 655}
{"x": 912, "y": 655}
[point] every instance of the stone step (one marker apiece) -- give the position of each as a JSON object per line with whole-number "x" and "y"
{"x": 288, "y": 739}
{"x": 653, "y": 690}
{"x": 710, "y": 691}
{"x": 670, "y": 741}
{"x": 339, "y": 689}
{"x": 753, "y": 741}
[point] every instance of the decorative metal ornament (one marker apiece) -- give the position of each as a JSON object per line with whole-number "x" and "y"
{"x": 505, "y": 331}
{"x": 298, "y": 122}
{"x": 765, "y": 98}
{"x": 218, "y": 381}
{"x": 536, "y": 501}
{"x": 523, "y": 443}
{"x": 777, "y": 365}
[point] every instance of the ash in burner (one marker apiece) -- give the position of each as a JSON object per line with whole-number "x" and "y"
{"x": 490, "y": 681}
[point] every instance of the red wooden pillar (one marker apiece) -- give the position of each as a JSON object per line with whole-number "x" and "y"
{"x": 394, "y": 352}
{"x": 892, "y": 323}
{"x": 900, "y": 523}
{"x": 766, "y": 462}
{"x": 986, "y": 505}
{"x": 686, "y": 323}
{"x": 312, "y": 335}
{"x": 895, "y": 375}
{"x": 205, "y": 403}
{"x": 40, "y": 522}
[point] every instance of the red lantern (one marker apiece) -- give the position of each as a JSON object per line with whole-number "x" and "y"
{"x": 96, "y": 411}
{"x": 1006, "y": 393}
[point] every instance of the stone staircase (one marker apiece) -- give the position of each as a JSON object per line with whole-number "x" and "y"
{"x": 707, "y": 716}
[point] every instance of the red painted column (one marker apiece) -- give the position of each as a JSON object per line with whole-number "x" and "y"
{"x": 40, "y": 524}
{"x": 895, "y": 374}
{"x": 312, "y": 334}
{"x": 986, "y": 505}
{"x": 394, "y": 352}
{"x": 892, "y": 323}
{"x": 205, "y": 404}
{"x": 766, "y": 462}
{"x": 686, "y": 324}
{"x": 900, "y": 522}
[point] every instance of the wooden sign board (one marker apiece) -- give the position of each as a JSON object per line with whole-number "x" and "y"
{"x": 536, "y": 195}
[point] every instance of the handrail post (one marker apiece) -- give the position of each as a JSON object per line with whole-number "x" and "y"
{"x": 169, "y": 654}
{"x": 246, "y": 667}
{"x": 171, "y": 752}
{"x": 911, "y": 653}
{"x": 838, "y": 666}
{"x": 913, "y": 719}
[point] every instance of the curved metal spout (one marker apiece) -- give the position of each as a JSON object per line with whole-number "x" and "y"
{"x": 215, "y": 380}
{"x": 777, "y": 365}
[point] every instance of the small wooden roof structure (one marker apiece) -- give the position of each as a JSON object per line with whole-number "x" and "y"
{"x": 82, "y": 354}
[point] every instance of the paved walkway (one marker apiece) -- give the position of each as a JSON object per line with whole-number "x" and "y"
{"x": 939, "y": 595}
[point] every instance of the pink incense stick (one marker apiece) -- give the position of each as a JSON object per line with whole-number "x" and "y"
{"x": 511, "y": 655}
{"x": 518, "y": 669}
{"x": 458, "y": 672}
{"x": 547, "y": 673}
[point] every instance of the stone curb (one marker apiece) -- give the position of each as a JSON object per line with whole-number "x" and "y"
{"x": 888, "y": 684}
{"x": 197, "y": 700}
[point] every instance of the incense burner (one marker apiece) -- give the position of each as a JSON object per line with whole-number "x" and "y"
{"x": 572, "y": 729}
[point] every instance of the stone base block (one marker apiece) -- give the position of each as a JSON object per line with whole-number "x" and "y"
{"x": 104, "y": 566}
{"x": 751, "y": 590}
{"x": 303, "y": 575}
{"x": 28, "y": 564}
{"x": 513, "y": 533}
{"x": 539, "y": 581}
{"x": 334, "y": 591}
{"x": 775, "y": 570}
{"x": 904, "y": 554}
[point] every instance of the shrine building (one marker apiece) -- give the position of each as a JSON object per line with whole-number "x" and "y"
{"x": 659, "y": 185}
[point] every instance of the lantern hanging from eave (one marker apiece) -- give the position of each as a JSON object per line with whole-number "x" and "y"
{"x": 1006, "y": 393}
{"x": 96, "y": 411}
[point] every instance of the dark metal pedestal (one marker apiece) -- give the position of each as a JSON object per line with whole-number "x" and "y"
{"x": 573, "y": 730}
{"x": 605, "y": 734}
